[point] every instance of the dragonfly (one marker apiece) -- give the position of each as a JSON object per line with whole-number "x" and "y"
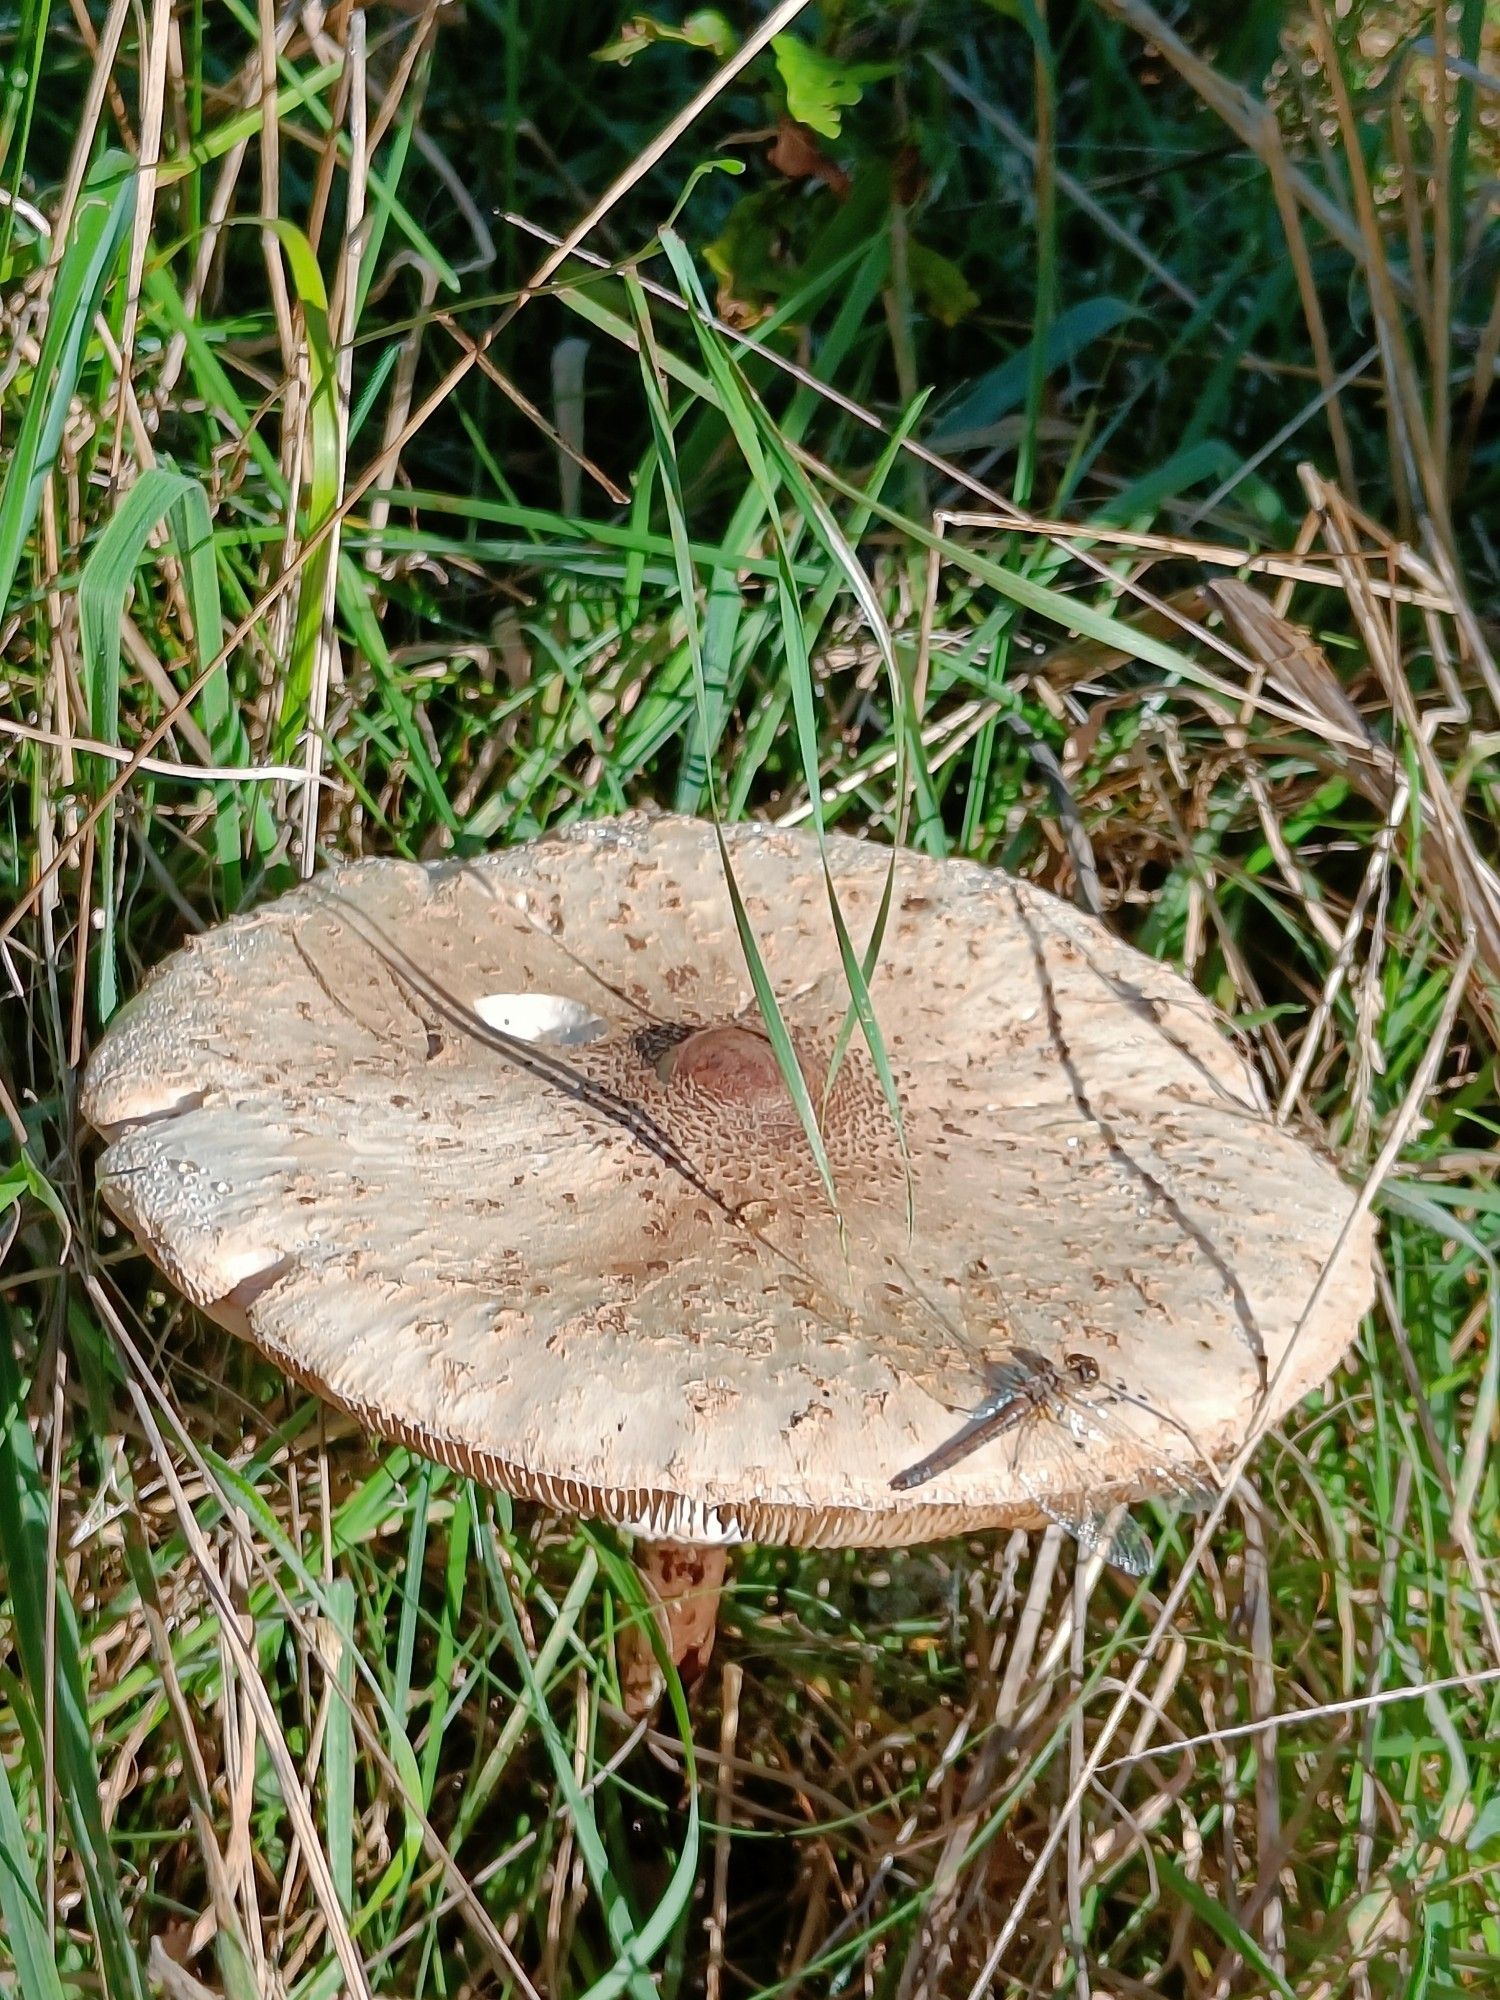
{"x": 1054, "y": 1416}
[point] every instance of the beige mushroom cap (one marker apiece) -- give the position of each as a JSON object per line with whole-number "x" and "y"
{"x": 684, "y": 1341}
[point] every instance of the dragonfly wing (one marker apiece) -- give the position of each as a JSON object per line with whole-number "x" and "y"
{"x": 1125, "y": 1543}
{"x": 895, "y": 1310}
{"x": 1058, "y": 1463}
{"x": 1111, "y": 1532}
{"x": 1081, "y": 1433}
{"x": 1133, "y": 1458}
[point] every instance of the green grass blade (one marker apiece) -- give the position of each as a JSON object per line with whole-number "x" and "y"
{"x": 306, "y": 91}
{"x": 26, "y": 1928}
{"x": 724, "y": 619}
{"x": 22, "y": 83}
{"x": 364, "y": 630}
{"x": 1070, "y": 614}
{"x": 338, "y": 1743}
{"x": 775, "y": 1023}
{"x": 760, "y": 443}
{"x": 24, "y": 1557}
{"x": 632, "y": 1968}
{"x": 160, "y": 494}
{"x": 210, "y": 379}
{"x": 677, "y": 1898}
{"x": 1223, "y": 1925}
{"x": 1044, "y": 309}
{"x": 324, "y": 478}
{"x": 106, "y": 207}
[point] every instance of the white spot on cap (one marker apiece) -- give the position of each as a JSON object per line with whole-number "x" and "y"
{"x": 539, "y": 1017}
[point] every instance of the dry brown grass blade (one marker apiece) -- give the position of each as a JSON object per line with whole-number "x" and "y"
{"x": 564, "y": 448}
{"x": 221, "y": 1911}
{"x": 1246, "y": 116}
{"x": 1401, "y": 1126}
{"x": 1416, "y": 452}
{"x": 253, "y": 1693}
{"x": 166, "y": 767}
{"x": 149, "y": 1398}
{"x": 1283, "y": 187}
{"x": 1016, "y": 1724}
{"x": 1418, "y": 436}
{"x": 1299, "y": 565}
{"x": 731, "y": 1681}
{"x": 1298, "y": 666}
{"x": 269, "y": 44}
{"x": 101, "y": 86}
{"x": 1486, "y": 356}
{"x": 153, "y": 110}
{"x": 1466, "y": 878}
{"x": 398, "y": 410}
{"x": 1299, "y": 669}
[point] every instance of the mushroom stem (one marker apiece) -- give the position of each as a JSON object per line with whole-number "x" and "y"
{"x": 683, "y": 1584}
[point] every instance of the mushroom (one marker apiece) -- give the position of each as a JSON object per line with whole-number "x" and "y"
{"x": 500, "y": 1157}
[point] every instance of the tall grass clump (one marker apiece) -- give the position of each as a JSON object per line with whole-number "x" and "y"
{"x": 1055, "y": 434}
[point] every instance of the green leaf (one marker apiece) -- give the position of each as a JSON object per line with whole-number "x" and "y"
{"x": 940, "y": 287}
{"x": 747, "y": 255}
{"x": 23, "y": 1177}
{"x": 820, "y": 88}
{"x": 707, "y": 29}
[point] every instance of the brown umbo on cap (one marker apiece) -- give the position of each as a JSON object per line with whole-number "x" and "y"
{"x": 588, "y": 1256}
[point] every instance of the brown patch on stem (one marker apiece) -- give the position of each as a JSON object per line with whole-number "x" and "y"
{"x": 683, "y": 1585}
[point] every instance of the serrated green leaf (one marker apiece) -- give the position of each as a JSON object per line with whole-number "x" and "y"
{"x": 821, "y": 88}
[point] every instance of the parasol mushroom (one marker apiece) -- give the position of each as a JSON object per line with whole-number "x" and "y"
{"x": 498, "y": 1156}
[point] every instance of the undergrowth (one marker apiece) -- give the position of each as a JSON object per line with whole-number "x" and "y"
{"x": 1056, "y": 435}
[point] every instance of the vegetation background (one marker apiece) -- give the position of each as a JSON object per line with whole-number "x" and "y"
{"x": 394, "y": 400}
